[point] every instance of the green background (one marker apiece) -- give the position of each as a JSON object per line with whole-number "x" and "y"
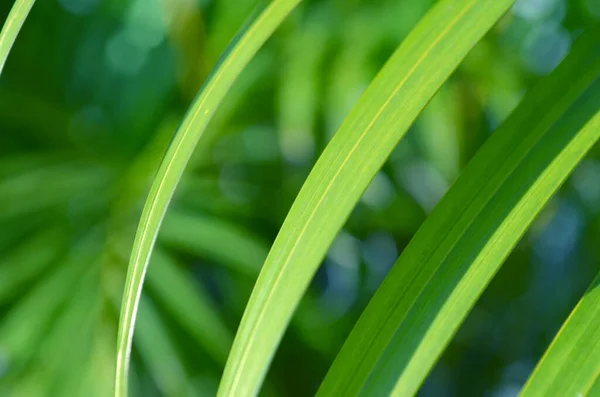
{"x": 90, "y": 97}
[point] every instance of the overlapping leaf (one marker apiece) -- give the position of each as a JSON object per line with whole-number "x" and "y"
{"x": 176, "y": 158}
{"x": 381, "y": 117}
{"x": 456, "y": 252}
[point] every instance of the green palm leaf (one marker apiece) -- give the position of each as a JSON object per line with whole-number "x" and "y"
{"x": 176, "y": 158}
{"x": 382, "y": 116}
{"x": 571, "y": 366}
{"x": 464, "y": 241}
{"x": 11, "y": 27}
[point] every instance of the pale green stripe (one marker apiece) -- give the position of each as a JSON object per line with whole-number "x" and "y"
{"x": 12, "y": 26}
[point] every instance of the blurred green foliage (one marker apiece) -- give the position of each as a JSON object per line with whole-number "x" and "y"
{"x": 90, "y": 97}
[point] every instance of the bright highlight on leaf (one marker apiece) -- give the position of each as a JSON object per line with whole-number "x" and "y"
{"x": 381, "y": 117}
{"x": 461, "y": 245}
{"x": 12, "y": 26}
{"x": 172, "y": 166}
{"x": 571, "y": 366}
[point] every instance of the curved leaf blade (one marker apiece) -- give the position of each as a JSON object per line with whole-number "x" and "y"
{"x": 459, "y": 248}
{"x": 186, "y": 302}
{"x": 358, "y": 150}
{"x": 156, "y": 348}
{"x": 12, "y": 26}
{"x": 571, "y": 365}
{"x": 174, "y": 163}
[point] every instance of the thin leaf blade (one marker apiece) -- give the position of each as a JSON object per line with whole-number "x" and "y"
{"x": 174, "y": 163}
{"x": 461, "y": 245}
{"x": 358, "y": 150}
{"x": 571, "y": 365}
{"x": 12, "y": 26}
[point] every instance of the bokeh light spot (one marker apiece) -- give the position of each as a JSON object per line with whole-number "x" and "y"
{"x": 545, "y": 47}
{"x": 124, "y": 57}
{"x": 534, "y": 9}
{"x": 380, "y": 194}
{"x": 79, "y": 7}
